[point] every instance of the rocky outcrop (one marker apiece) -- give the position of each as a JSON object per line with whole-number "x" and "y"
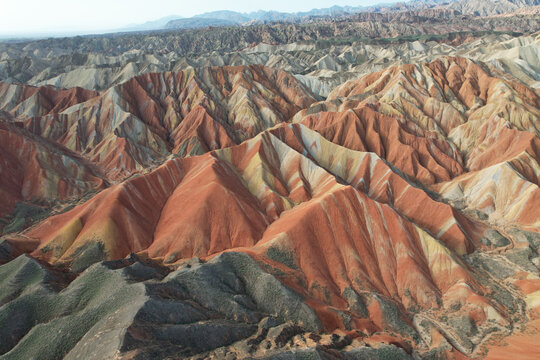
{"x": 287, "y": 196}
{"x": 247, "y": 219}
{"x": 489, "y": 8}
{"x": 139, "y": 123}
{"x": 136, "y": 309}
{"x": 59, "y": 145}
{"x": 35, "y": 170}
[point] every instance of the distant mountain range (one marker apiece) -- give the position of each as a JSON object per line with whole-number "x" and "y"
{"x": 152, "y": 25}
{"x": 227, "y": 17}
{"x": 231, "y": 18}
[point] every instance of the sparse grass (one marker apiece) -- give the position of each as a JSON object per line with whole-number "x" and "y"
{"x": 23, "y": 215}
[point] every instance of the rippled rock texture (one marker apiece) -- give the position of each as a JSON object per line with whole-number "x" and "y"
{"x": 229, "y": 212}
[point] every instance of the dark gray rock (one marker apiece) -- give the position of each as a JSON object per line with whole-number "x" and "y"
{"x": 134, "y": 305}
{"x": 494, "y": 238}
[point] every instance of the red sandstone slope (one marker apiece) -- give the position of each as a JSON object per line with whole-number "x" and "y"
{"x": 134, "y": 125}
{"x": 451, "y": 121}
{"x": 24, "y": 101}
{"x": 354, "y": 206}
{"x": 339, "y": 226}
{"x": 142, "y": 121}
{"x": 419, "y": 154}
{"x": 254, "y": 179}
{"x": 32, "y": 169}
{"x": 455, "y": 98}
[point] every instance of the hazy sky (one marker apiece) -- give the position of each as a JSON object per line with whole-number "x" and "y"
{"x": 82, "y": 16}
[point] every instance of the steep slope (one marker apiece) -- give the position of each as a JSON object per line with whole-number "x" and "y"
{"x": 488, "y": 8}
{"x": 290, "y": 193}
{"x": 226, "y": 307}
{"x": 451, "y": 116}
{"x": 139, "y": 123}
{"x": 268, "y": 190}
{"x": 28, "y": 101}
{"x": 418, "y": 154}
{"x": 321, "y": 65}
{"x": 59, "y": 145}
{"x": 258, "y": 222}
{"x": 443, "y": 95}
{"x": 33, "y": 170}
{"x": 505, "y": 192}
{"x": 528, "y": 10}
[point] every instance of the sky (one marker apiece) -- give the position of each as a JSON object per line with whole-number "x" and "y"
{"x": 27, "y": 17}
